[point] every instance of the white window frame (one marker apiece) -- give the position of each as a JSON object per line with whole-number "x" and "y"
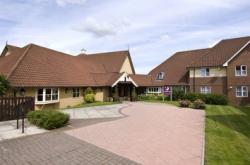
{"x": 75, "y": 92}
{"x": 44, "y": 101}
{"x": 153, "y": 90}
{"x": 242, "y": 90}
{"x": 205, "y": 89}
{"x": 204, "y": 72}
{"x": 160, "y": 76}
{"x": 241, "y": 71}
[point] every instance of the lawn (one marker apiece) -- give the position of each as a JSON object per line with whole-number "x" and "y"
{"x": 98, "y": 103}
{"x": 227, "y": 135}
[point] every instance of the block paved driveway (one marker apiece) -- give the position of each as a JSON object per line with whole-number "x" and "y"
{"x": 145, "y": 134}
{"x": 150, "y": 134}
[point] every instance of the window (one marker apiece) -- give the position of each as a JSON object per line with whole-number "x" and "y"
{"x": 76, "y": 92}
{"x": 47, "y": 95}
{"x": 204, "y": 72}
{"x": 241, "y": 70}
{"x": 205, "y": 90}
{"x": 160, "y": 76}
{"x": 154, "y": 90}
{"x": 241, "y": 91}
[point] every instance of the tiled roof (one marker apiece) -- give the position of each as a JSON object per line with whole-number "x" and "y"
{"x": 142, "y": 80}
{"x": 33, "y": 66}
{"x": 221, "y": 52}
{"x": 175, "y": 68}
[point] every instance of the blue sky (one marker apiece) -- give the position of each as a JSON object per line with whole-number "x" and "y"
{"x": 152, "y": 30}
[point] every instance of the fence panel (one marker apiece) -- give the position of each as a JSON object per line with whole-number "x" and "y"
{"x": 10, "y": 107}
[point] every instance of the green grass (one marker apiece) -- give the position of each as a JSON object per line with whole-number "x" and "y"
{"x": 227, "y": 135}
{"x": 98, "y": 103}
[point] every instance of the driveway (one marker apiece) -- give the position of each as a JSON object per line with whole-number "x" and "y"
{"x": 150, "y": 134}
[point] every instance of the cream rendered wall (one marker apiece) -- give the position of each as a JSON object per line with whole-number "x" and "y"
{"x": 126, "y": 67}
{"x": 101, "y": 94}
{"x": 214, "y": 72}
{"x": 66, "y": 98}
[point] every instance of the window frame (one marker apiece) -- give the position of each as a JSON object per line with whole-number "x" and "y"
{"x": 47, "y": 93}
{"x": 75, "y": 92}
{"x": 207, "y": 90}
{"x": 240, "y": 71}
{"x": 158, "y": 77}
{"x": 205, "y": 72}
{"x": 154, "y": 90}
{"x": 241, "y": 91}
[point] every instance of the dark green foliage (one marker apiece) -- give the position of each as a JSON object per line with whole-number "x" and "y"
{"x": 199, "y": 104}
{"x": 215, "y": 99}
{"x": 184, "y": 103}
{"x": 4, "y": 85}
{"x": 178, "y": 94}
{"x": 48, "y": 119}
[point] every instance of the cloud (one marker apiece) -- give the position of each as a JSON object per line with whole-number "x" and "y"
{"x": 65, "y": 2}
{"x": 102, "y": 29}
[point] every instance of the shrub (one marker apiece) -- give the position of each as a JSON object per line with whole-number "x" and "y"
{"x": 178, "y": 94}
{"x": 4, "y": 85}
{"x": 88, "y": 91}
{"x": 216, "y": 99}
{"x": 89, "y": 98}
{"x": 48, "y": 119}
{"x": 199, "y": 104}
{"x": 184, "y": 103}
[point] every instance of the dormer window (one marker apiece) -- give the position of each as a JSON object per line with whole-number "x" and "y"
{"x": 160, "y": 76}
{"x": 241, "y": 70}
{"x": 205, "y": 72}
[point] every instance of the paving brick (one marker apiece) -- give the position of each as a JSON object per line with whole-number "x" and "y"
{"x": 55, "y": 148}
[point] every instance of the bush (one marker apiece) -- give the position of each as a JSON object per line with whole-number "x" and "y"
{"x": 184, "y": 103}
{"x": 178, "y": 94}
{"x": 89, "y": 98}
{"x": 215, "y": 99}
{"x": 48, "y": 119}
{"x": 199, "y": 104}
{"x": 88, "y": 91}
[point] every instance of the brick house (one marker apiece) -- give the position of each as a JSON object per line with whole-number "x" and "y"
{"x": 222, "y": 69}
{"x": 58, "y": 80}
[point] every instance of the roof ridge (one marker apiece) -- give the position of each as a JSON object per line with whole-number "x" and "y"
{"x": 19, "y": 60}
{"x": 108, "y": 52}
{"x": 235, "y": 38}
{"x": 50, "y": 49}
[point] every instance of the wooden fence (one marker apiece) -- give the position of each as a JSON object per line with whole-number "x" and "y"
{"x": 11, "y": 107}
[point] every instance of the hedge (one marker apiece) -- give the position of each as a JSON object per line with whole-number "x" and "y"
{"x": 215, "y": 99}
{"x": 48, "y": 119}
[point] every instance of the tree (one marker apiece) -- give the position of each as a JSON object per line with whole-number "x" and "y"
{"x": 4, "y": 85}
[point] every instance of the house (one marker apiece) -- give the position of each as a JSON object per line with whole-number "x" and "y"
{"x": 58, "y": 80}
{"x": 222, "y": 69}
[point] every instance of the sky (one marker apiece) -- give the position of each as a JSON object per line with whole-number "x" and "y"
{"x": 151, "y": 30}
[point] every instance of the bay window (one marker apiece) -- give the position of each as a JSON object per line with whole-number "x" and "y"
{"x": 241, "y": 91}
{"x": 47, "y": 95}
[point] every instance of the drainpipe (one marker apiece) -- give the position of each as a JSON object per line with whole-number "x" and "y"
{"x": 194, "y": 80}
